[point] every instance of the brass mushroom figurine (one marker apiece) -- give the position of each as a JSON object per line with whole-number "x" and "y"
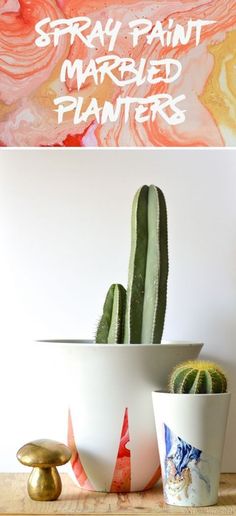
{"x": 44, "y": 455}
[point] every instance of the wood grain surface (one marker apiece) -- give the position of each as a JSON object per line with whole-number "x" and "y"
{"x": 15, "y": 501}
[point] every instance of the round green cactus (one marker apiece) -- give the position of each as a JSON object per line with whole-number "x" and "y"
{"x": 197, "y": 377}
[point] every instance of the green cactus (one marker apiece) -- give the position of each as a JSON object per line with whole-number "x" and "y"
{"x": 111, "y": 326}
{"x": 197, "y": 377}
{"x": 147, "y": 282}
{"x": 148, "y": 268}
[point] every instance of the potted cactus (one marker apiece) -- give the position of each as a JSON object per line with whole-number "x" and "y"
{"x": 111, "y": 423}
{"x": 191, "y": 422}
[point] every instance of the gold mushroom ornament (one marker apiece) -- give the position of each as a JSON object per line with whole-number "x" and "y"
{"x": 44, "y": 455}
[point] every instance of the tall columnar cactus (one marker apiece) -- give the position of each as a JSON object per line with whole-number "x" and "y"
{"x": 147, "y": 281}
{"x": 111, "y": 327}
{"x": 197, "y": 377}
{"x": 148, "y": 268}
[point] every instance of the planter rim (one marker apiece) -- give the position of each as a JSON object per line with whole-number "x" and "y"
{"x": 190, "y": 395}
{"x": 89, "y": 343}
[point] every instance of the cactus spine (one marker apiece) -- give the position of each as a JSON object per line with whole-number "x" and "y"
{"x": 197, "y": 377}
{"x": 148, "y": 268}
{"x": 111, "y": 327}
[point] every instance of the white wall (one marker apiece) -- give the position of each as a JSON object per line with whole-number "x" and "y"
{"x": 64, "y": 237}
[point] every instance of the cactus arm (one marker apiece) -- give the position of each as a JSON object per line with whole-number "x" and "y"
{"x": 137, "y": 268}
{"x": 154, "y": 304}
{"x": 111, "y": 325}
{"x": 116, "y": 331}
{"x": 105, "y": 321}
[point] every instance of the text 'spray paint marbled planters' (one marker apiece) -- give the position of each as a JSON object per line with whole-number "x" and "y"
{"x": 111, "y": 423}
{"x": 191, "y": 432}
{"x": 30, "y": 75}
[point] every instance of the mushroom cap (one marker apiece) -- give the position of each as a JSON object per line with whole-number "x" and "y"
{"x": 44, "y": 453}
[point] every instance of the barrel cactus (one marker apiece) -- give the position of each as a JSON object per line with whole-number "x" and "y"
{"x": 148, "y": 273}
{"x": 197, "y": 377}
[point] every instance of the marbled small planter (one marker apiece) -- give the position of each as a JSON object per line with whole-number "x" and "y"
{"x": 191, "y": 432}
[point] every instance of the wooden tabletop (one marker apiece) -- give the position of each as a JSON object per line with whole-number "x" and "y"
{"x": 15, "y": 501}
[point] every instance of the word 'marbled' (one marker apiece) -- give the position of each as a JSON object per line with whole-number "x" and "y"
{"x": 122, "y": 71}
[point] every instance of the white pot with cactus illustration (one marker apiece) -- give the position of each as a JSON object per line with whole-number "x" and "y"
{"x": 191, "y": 422}
{"x": 111, "y": 423}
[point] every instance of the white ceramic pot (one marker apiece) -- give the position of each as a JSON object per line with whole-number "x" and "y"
{"x": 191, "y": 431}
{"x": 111, "y": 422}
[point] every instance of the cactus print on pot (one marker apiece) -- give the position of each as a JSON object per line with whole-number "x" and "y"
{"x": 190, "y": 475}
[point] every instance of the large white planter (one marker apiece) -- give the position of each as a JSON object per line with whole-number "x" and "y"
{"x": 111, "y": 423}
{"x": 191, "y": 432}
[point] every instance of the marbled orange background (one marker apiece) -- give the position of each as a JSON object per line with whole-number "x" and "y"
{"x": 29, "y": 76}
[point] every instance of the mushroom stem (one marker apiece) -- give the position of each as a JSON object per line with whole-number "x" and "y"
{"x": 44, "y": 484}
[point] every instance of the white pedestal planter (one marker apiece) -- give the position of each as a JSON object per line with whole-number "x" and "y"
{"x": 191, "y": 432}
{"x": 111, "y": 424}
